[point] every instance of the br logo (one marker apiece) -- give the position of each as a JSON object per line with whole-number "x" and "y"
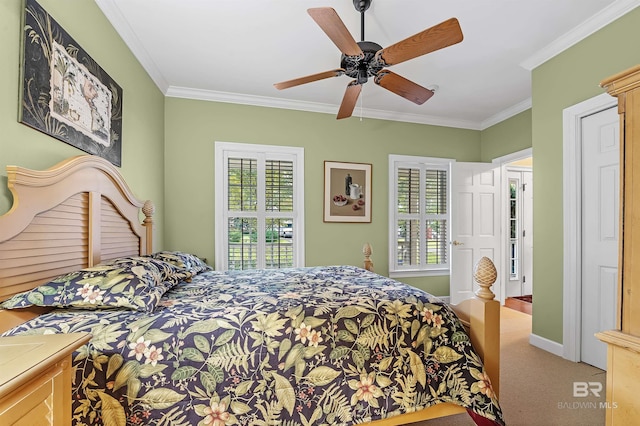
{"x": 583, "y": 389}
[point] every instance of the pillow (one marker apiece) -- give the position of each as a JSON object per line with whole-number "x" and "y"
{"x": 168, "y": 271}
{"x": 99, "y": 287}
{"x": 188, "y": 262}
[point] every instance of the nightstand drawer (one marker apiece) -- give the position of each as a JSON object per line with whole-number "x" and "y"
{"x": 35, "y": 379}
{"x": 33, "y": 403}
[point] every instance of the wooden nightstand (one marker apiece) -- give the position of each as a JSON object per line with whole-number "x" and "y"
{"x": 35, "y": 378}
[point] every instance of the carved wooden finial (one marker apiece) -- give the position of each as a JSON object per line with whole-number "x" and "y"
{"x": 485, "y": 274}
{"x": 366, "y": 250}
{"x": 148, "y": 209}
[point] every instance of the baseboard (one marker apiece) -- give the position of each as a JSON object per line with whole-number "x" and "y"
{"x": 546, "y": 344}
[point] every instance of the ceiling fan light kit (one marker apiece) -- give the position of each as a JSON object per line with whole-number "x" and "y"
{"x": 365, "y": 59}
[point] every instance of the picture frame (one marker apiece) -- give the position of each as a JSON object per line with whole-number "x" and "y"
{"x": 347, "y": 192}
{"x": 64, "y": 93}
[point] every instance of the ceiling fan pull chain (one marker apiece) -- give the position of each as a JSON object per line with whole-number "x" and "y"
{"x": 361, "y": 96}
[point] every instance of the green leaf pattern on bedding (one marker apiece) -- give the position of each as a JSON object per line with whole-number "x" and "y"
{"x": 305, "y": 346}
{"x": 106, "y": 286}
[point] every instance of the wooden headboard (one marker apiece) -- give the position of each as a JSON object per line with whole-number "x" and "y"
{"x": 73, "y": 215}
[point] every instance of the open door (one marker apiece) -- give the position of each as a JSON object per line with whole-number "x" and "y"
{"x": 475, "y": 215}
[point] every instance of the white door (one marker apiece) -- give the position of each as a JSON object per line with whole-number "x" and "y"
{"x": 600, "y": 207}
{"x": 475, "y": 216}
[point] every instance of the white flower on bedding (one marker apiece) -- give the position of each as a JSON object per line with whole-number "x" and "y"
{"x": 139, "y": 347}
{"x": 315, "y": 338}
{"x": 216, "y": 414}
{"x": 366, "y": 390}
{"x": 431, "y": 318}
{"x": 90, "y": 295}
{"x": 483, "y": 385}
{"x": 303, "y": 333}
{"x": 153, "y": 355}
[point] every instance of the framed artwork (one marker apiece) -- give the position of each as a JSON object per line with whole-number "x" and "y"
{"x": 64, "y": 93}
{"x": 347, "y": 192}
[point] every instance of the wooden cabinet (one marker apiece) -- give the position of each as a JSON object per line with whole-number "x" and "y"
{"x": 623, "y": 353}
{"x": 35, "y": 378}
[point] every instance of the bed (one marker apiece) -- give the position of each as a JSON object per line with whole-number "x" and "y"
{"x": 175, "y": 342}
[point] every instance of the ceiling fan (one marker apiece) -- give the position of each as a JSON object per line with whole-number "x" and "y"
{"x": 364, "y": 59}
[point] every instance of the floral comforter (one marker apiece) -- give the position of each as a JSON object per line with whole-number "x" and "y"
{"x": 305, "y": 346}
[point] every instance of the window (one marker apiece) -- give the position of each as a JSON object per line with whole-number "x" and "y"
{"x": 259, "y": 206}
{"x": 419, "y": 213}
{"x": 514, "y": 229}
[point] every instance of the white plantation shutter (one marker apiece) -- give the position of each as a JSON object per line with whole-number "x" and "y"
{"x": 242, "y": 183}
{"x": 437, "y": 210}
{"x": 419, "y": 213}
{"x": 259, "y": 206}
{"x": 408, "y": 216}
{"x": 279, "y": 198}
{"x": 279, "y": 185}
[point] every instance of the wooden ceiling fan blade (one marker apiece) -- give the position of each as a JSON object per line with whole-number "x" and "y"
{"x": 437, "y": 37}
{"x": 401, "y": 86}
{"x": 327, "y": 18}
{"x": 309, "y": 78}
{"x": 349, "y": 100}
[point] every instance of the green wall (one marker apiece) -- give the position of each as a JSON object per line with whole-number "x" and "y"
{"x": 508, "y": 136}
{"x": 193, "y": 126}
{"x": 561, "y": 82}
{"x": 143, "y": 103}
{"x": 187, "y": 129}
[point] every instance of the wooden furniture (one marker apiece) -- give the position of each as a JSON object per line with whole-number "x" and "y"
{"x": 76, "y": 214}
{"x": 368, "y": 263}
{"x": 35, "y": 378}
{"x": 81, "y": 212}
{"x": 623, "y": 353}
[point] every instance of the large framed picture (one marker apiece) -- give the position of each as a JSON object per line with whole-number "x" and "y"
{"x": 347, "y": 192}
{"x": 64, "y": 93}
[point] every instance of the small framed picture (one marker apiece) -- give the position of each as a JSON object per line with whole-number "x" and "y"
{"x": 347, "y": 192}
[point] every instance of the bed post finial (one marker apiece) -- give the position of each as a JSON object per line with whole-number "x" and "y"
{"x": 148, "y": 209}
{"x": 366, "y": 250}
{"x": 485, "y": 274}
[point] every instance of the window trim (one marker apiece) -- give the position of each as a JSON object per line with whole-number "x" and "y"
{"x": 396, "y": 161}
{"x": 222, "y": 151}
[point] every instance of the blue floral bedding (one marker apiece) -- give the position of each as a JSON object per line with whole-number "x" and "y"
{"x": 305, "y": 346}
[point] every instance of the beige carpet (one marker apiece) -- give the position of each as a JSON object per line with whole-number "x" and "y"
{"x": 536, "y": 386}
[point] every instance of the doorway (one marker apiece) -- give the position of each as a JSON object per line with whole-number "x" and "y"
{"x": 519, "y": 226}
{"x": 516, "y": 216}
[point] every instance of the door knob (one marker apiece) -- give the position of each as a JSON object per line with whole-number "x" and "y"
{"x": 457, "y": 243}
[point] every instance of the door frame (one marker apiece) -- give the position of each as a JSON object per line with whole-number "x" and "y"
{"x": 504, "y": 162}
{"x": 572, "y": 219}
{"x": 522, "y": 208}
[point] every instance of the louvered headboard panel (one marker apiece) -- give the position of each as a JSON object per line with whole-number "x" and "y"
{"x": 54, "y": 243}
{"x": 75, "y": 214}
{"x": 118, "y": 239}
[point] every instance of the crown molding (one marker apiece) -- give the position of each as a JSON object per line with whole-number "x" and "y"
{"x": 264, "y": 101}
{"x": 507, "y": 113}
{"x": 609, "y": 14}
{"x": 118, "y": 21}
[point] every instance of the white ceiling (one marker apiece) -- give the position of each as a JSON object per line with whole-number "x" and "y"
{"x": 235, "y": 50}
